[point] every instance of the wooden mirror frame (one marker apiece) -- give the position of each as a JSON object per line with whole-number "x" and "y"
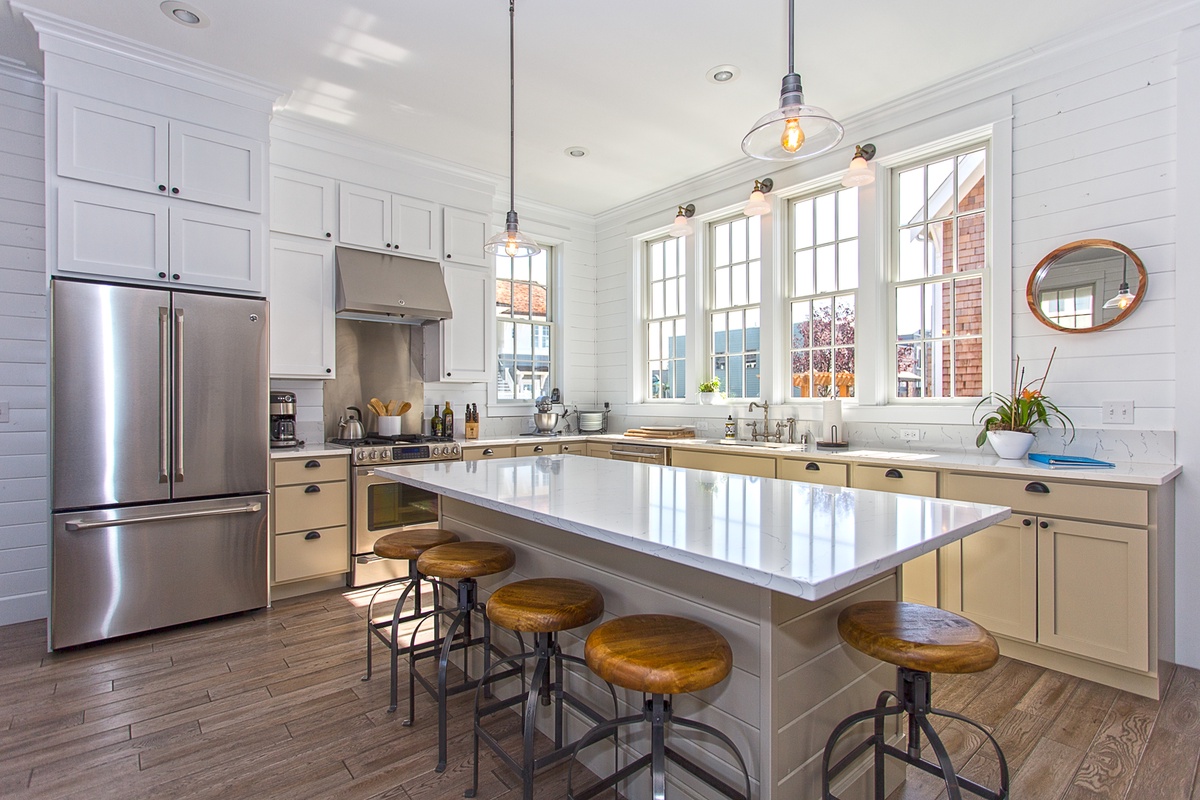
{"x": 1044, "y": 266}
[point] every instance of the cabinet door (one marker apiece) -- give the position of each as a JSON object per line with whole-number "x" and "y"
{"x": 599, "y": 450}
{"x": 1093, "y": 591}
{"x": 733, "y": 463}
{"x": 364, "y": 217}
{"x": 414, "y": 225}
{"x": 808, "y": 471}
{"x": 496, "y": 451}
{"x": 215, "y": 167}
{"x": 574, "y": 448}
{"x": 919, "y": 577}
{"x": 311, "y": 554}
{"x": 461, "y": 343}
{"x": 465, "y": 233}
{"x": 111, "y": 232}
{"x": 542, "y": 449}
{"x": 216, "y": 248}
{"x": 302, "y": 320}
{"x": 301, "y": 203}
{"x": 991, "y": 577}
{"x": 110, "y": 144}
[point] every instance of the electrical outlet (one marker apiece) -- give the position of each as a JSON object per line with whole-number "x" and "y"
{"x": 4, "y": 412}
{"x": 910, "y": 434}
{"x": 1117, "y": 412}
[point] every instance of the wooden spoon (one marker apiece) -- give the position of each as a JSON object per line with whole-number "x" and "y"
{"x": 376, "y": 405}
{"x": 405, "y": 407}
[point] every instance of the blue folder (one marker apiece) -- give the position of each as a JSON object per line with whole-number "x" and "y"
{"x": 1069, "y": 462}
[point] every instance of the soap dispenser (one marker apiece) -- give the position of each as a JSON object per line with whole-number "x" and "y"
{"x": 730, "y": 428}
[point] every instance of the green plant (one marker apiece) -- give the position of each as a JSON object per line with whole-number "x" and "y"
{"x": 1024, "y": 408}
{"x": 713, "y": 385}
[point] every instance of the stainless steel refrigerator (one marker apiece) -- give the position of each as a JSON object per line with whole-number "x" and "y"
{"x": 159, "y": 442}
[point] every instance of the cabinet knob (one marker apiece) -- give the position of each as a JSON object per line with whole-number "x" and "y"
{"x": 395, "y": 247}
{"x": 175, "y": 276}
{"x": 162, "y": 188}
{"x": 312, "y": 535}
{"x": 313, "y": 489}
{"x": 447, "y": 374}
{"x": 174, "y": 190}
{"x": 1043, "y": 524}
{"x": 328, "y": 235}
{"x": 388, "y": 246}
{"x": 162, "y": 274}
{"x": 814, "y": 466}
{"x": 328, "y": 370}
{"x": 1037, "y": 487}
{"x": 893, "y": 473}
{"x": 313, "y": 464}
{"x": 1026, "y": 522}
{"x": 449, "y": 256}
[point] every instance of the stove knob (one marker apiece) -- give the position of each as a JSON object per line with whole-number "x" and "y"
{"x": 455, "y": 451}
{"x": 374, "y": 455}
{"x": 437, "y": 451}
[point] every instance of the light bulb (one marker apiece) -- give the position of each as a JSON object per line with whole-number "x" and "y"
{"x": 511, "y": 246}
{"x": 1124, "y": 300}
{"x": 793, "y": 138}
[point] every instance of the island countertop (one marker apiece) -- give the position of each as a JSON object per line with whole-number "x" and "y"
{"x": 800, "y": 539}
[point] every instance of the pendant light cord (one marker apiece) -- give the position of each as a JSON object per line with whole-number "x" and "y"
{"x": 791, "y": 36}
{"x": 512, "y": 109}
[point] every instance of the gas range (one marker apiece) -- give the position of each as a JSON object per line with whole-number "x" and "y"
{"x": 376, "y": 449}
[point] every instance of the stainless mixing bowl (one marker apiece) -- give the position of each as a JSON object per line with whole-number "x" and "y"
{"x": 545, "y": 422}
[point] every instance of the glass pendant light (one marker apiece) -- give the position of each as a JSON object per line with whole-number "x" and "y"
{"x": 510, "y": 241}
{"x": 1123, "y": 298}
{"x": 793, "y": 131}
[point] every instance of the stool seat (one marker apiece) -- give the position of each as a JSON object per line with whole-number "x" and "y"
{"x": 658, "y": 654}
{"x": 917, "y": 637}
{"x": 545, "y": 605}
{"x": 410, "y": 544}
{"x": 459, "y": 560}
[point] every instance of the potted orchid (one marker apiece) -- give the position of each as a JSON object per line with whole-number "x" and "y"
{"x": 1008, "y": 428}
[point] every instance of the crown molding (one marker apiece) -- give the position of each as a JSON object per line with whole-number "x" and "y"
{"x": 15, "y": 68}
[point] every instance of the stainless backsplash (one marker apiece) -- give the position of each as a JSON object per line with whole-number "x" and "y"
{"x": 376, "y": 359}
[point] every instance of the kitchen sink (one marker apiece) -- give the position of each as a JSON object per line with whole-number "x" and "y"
{"x": 765, "y": 445}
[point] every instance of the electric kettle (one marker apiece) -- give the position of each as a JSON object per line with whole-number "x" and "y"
{"x": 351, "y": 427}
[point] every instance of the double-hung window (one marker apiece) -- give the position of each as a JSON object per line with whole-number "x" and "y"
{"x": 735, "y": 281}
{"x": 666, "y": 325}
{"x": 937, "y": 276}
{"x": 524, "y": 326}
{"x": 823, "y": 287}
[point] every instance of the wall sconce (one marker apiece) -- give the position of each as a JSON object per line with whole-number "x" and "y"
{"x": 859, "y": 173}
{"x": 681, "y": 226}
{"x": 757, "y": 205}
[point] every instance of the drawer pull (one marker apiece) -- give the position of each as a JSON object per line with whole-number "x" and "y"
{"x": 539, "y": 449}
{"x": 893, "y": 473}
{"x": 1037, "y": 487}
{"x": 487, "y": 451}
{"x": 313, "y": 464}
{"x": 312, "y": 535}
{"x": 1043, "y": 524}
{"x": 313, "y": 489}
{"x": 814, "y": 466}
{"x": 1026, "y": 522}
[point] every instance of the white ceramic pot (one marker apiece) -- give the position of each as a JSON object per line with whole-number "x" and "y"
{"x": 708, "y": 398}
{"x": 389, "y": 426}
{"x": 1010, "y": 444}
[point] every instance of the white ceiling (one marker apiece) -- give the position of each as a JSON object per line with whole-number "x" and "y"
{"x": 623, "y": 78}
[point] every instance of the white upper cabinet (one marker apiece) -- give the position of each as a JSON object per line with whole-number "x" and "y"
{"x": 216, "y": 247}
{"x": 457, "y": 350}
{"x": 465, "y": 234}
{"x": 302, "y": 203}
{"x": 106, "y": 143}
{"x": 303, "y": 336}
{"x": 384, "y": 221}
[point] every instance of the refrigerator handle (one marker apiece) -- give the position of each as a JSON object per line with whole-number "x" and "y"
{"x": 164, "y": 395}
{"x": 179, "y": 351}
{"x": 88, "y": 525}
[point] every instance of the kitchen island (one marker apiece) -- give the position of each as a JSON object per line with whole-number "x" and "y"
{"x": 769, "y": 563}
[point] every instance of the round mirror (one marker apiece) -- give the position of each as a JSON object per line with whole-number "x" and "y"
{"x": 1087, "y": 285}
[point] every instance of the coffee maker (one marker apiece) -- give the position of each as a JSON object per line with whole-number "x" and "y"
{"x": 283, "y": 419}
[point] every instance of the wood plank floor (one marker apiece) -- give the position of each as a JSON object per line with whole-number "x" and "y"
{"x": 269, "y": 705}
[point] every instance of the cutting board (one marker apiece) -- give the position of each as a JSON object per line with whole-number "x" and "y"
{"x": 673, "y": 433}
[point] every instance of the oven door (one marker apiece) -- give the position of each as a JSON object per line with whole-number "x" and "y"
{"x": 383, "y": 506}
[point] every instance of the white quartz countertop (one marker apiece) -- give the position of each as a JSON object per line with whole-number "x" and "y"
{"x": 310, "y": 450}
{"x": 796, "y": 538}
{"x": 531, "y": 439}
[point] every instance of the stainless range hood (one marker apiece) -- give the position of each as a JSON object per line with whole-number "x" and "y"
{"x": 383, "y": 288}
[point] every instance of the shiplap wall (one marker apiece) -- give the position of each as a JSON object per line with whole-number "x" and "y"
{"x": 23, "y": 463}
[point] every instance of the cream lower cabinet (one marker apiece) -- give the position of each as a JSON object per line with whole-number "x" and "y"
{"x": 489, "y": 451}
{"x": 540, "y": 449}
{"x": 600, "y": 450}
{"x": 919, "y": 577}
{"x": 310, "y": 518}
{"x": 826, "y": 473}
{"x": 574, "y": 448}
{"x": 733, "y": 463}
{"x": 991, "y": 577}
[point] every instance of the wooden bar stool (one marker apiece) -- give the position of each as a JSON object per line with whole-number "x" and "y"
{"x": 403, "y": 545}
{"x": 543, "y": 607}
{"x": 659, "y": 656}
{"x": 462, "y": 562}
{"x": 919, "y": 640}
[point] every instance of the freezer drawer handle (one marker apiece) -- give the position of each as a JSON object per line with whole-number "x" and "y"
{"x": 893, "y": 473}
{"x": 312, "y": 489}
{"x": 312, "y": 464}
{"x": 312, "y": 535}
{"x": 88, "y": 525}
{"x": 1037, "y": 487}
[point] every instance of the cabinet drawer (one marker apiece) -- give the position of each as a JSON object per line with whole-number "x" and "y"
{"x": 822, "y": 472}
{"x": 896, "y": 479}
{"x": 310, "y": 506}
{"x": 538, "y": 449}
{"x": 762, "y": 467}
{"x": 1061, "y": 499}
{"x": 597, "y": 450}
{"x": 578, "y": 448}
{"x": 500, "y": 451}
{"x": 303, "y": 555}
{"x": 312, "y": 470}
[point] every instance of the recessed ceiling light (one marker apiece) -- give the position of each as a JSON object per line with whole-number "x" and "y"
{"x": 576, "y": 152}
{"x": 723, "y": 73}
{"x": 184, "y": 14}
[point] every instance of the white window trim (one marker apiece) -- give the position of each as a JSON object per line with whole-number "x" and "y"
{"x": 766, "y": 349}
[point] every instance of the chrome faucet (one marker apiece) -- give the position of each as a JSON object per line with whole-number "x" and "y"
{"x": 764, "y": 405}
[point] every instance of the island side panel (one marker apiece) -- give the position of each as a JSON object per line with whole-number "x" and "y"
{"x": 636, "y": 583}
